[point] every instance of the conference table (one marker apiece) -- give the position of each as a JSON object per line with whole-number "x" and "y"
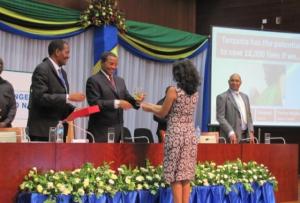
{"x": 17, "y": 158}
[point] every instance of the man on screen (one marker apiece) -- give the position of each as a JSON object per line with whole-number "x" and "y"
{"x": 233, "y": 113}
{"x": 49, "y": 100}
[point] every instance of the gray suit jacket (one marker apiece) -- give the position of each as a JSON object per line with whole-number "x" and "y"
{"x": 229, "y": 117}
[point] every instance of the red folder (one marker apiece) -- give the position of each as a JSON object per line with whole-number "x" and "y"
{"x": 83, "y": 112}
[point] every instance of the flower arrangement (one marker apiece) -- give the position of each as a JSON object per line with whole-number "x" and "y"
{"x": 103, "y": 12}
{"x": 209, "y": 173}
{"x": 89, "y": 180}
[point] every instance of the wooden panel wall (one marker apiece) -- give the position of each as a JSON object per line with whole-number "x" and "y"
{"x": 178, "y": 14}
{"x": 247, "y": 14}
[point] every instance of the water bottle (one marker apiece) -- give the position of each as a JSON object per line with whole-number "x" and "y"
{"x": 60, "y": 132}
{"x": 198, "y": 133}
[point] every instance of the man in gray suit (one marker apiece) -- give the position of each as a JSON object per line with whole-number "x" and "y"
{"x": 233, "y": 113}
{"x": 109, "y": 92}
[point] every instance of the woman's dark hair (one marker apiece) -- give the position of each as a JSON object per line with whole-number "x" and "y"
{"x": 186, "y": 76}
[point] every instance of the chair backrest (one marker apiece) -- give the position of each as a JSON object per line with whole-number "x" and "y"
{"x": 16, "y": 132}
{"x": 209, "y": 137}
{"x": 143, "y": 135}
{"x": 127, "y": 135}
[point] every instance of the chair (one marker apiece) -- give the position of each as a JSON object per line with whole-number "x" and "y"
{"x": 127, "y": 135}
{"x": 143, "y": 135}
{"x": 210, "y": 137}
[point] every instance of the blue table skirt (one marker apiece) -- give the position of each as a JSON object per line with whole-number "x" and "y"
{"x": 200, "y": 194}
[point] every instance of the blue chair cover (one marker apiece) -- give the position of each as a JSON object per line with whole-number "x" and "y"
{"x": 147, "y": 197}
{"x": 233, "y": 195}
{"x": 268, "y": 193}
{"x": 117, "y": 198}
{"x": 193, "y": 196}
{"x": 218, "y": 194}
{"x": 130, "y": 197}
{"x": 101, "y": 199}
{"x": 244, "y": 194}
{"x": 256, "y": 195}
{"x": 23, "y": 197}
{"x": 165, "y": 195}
{"x": 203, "y": 194}
{"x": 199, "y": 194}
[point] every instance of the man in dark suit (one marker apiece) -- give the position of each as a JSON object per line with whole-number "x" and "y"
{"x": 7, "y": 101}
{"x": 233, "y": 112}
{"x": 49, "y": 92}
{"x": 109, "y": 92}
{"x": 161, "y": 122}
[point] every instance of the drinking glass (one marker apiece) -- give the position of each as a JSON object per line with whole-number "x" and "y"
{"x": 138, "y": 93}
{"x": 110, "y": 135}
{"x": 267, "y": 138}
{"x": 52, "y": 134}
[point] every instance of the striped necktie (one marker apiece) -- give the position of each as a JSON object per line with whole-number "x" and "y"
{"x": 60, "y": 75}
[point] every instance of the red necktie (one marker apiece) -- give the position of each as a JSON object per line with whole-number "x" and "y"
{"x": 112, "y": 82}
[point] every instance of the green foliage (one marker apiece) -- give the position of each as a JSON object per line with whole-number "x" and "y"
{"x": 103, "y": 12}
{"x": 89, "y": 180}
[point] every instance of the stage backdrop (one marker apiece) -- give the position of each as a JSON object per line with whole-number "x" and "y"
{"x": 21, "y": 82}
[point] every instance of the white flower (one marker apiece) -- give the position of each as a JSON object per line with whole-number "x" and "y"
{"x": 146, "y": 186}
{"x": 98, "y": 179}
{"x": 34, "y": 169}
{"x": 149, "y": 178}
{"x": 139, "y": 186}
{"x": 108, "y": 188}
{"x": 114, "y": 176}
{"x": 110, "y": 181}
{"x": 100, "y": 191}
{"x": 86, "y": 182}
{"x": 120, "y": 170}
{"x": 51, "y": 171}
{"x": 143, "y": 169}
{"x": 255, "y": 177}
{"x": 77, "y": 180}
{"x": 80, "y": 191}
{"x": 39, "y": 188}
{"x": 157, "y": 177}
{"x": 128, "y": 179}
{"x": 50, "y": 185}
{"x": 140, "y": 178}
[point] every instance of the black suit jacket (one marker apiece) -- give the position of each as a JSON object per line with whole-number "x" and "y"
{"x": 99, "y": 91}
{"x": 7, "y": 103}
{"x": 47, "y": 101}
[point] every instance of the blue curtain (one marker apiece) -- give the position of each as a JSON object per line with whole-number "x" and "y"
{"x": 199, "y": 194}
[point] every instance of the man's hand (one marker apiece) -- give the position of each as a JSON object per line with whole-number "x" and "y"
{"x": 2, "y": 125}
{"x": 233, "y": 139}
{"x": 125, "y": 105}
{"x": 76, "y": 97}
{"x": 252, "y": 137}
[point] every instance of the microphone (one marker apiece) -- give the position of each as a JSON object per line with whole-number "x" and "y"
{"x": 83, "y": 130}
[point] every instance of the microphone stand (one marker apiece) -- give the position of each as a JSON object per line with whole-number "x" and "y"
{"x": 83, "y": 130}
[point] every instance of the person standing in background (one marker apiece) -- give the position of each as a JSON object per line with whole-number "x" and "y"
{"x": 180, "y": 146}
{"x": 7, "y": 101}
{"x": 161, "y": 122}
{"x": 49, "y": 92}
{"x": 109, "y": 92}
{"x": 233, "y": 112}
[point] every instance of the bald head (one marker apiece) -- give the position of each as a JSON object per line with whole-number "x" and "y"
{"x": 235, "y": 82}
